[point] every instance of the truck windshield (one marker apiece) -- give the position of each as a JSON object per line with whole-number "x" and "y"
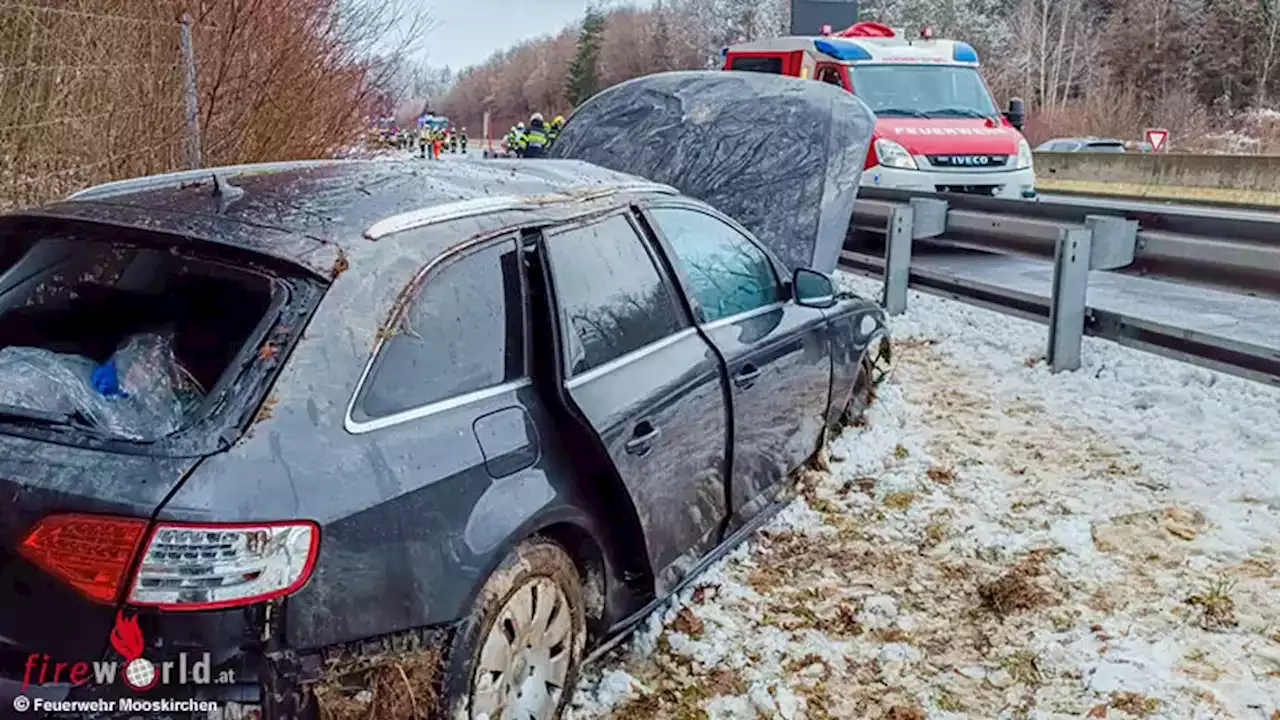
{"x": 923, "y": 91}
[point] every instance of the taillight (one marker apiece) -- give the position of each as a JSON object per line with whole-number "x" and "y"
{"x": 185, "y": 566}
{"x": 91, "y": 553}
{"x": 208, "y": 566}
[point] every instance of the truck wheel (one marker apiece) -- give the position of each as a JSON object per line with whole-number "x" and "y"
{"x": 518, "y": 653}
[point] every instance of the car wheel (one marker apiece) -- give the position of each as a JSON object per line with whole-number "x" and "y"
{"x": 863, "y": 393}
{"x": 517, "y": 655}
{"x": 876, "y": 365}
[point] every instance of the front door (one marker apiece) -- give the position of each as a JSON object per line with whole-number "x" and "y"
{"x": 647, "y": 383}
{"x": 777, "y": 353}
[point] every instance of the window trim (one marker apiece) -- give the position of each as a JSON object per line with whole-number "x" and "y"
{"x": 686, "y": 286}
{"x": 420, "y": 279}
{"x": 572, "y": 379}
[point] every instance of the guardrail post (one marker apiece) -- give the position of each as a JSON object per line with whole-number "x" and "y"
{"x": 1069, "y": 301}
{"x": 897, "y": 259}
{"x": 1114, "y": 241}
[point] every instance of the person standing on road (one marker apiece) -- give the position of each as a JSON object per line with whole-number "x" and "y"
{"x": 462, "y": 140}
{"x": 553, "y": 132}
{"x": 520, "y": 139}
{"x": 536, "y": 139}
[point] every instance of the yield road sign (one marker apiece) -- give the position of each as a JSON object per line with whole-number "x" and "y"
{"x": 1156, "y": 138}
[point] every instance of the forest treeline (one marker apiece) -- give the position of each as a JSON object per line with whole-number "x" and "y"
{"x": 1207, "y": 70}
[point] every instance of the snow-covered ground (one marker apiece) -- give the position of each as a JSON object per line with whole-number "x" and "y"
{"x": 996, "y": 541}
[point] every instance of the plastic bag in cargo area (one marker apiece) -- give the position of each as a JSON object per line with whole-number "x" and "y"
{"x": 139, "y": 393}
{"x": 780, "y": 155}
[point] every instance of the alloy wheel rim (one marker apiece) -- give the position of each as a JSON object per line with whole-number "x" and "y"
{"x": 524, "y": 658}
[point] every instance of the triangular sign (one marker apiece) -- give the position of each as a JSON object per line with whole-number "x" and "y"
{"x": 1156, "y": 139}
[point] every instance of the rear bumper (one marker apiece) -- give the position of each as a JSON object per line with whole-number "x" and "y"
{"x": 1005, "y": 184}
{"x": 275, "y": 686}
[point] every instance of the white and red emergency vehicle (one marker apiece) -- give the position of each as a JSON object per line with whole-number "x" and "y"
{"x": 937, "y": 126}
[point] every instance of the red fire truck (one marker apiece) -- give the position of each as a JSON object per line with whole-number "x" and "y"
{"x": 937, "y": 126}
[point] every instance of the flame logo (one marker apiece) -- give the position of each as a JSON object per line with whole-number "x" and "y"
{"x": 126, "y": 638}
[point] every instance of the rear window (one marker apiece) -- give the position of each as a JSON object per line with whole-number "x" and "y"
{"x": 117, "y": 334}
{"x": 464, "y": 332}
{"x": 757, "y": 64}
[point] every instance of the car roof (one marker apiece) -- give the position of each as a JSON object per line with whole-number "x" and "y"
{"x": 305, "y": 211}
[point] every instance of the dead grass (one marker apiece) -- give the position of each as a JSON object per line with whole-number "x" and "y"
{"x": 900, "y": 500}
{"x": 1014, "y": 591}
{"x": 391, "y": 686}
{"x": 1217, "y": 608}
{"x": 1135, "y": 704}
{"x": 1162, "y": 192}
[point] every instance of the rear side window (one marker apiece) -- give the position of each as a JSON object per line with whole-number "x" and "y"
{"x": 729, "y": 275}
{"x": 612, "y": 298}
{"x": 757, "y": 64}
{"x": 463, "y": 333}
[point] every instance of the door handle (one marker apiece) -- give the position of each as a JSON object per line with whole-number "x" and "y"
{"x": 747, "y": 376}
{"x": 642, "y": 438}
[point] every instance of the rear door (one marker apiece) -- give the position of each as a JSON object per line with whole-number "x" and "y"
{"x": 777, "y": 353}
{"x": 648, "y": 384}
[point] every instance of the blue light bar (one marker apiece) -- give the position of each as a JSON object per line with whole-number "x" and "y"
{"x": 841, "y": 49}
{"x": 964, "y": 53}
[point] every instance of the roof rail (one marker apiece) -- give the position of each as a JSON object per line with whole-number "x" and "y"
{"x": 182, "y": 177}
{"x": 501, "y": 203}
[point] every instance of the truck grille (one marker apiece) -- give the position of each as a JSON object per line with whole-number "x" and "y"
{"x": 988, "y": 190}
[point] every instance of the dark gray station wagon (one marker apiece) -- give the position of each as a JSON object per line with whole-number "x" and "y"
{"x": 385, "y": 440}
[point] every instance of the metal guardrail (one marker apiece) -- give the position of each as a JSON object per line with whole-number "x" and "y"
{"x": 1193, "y": 247}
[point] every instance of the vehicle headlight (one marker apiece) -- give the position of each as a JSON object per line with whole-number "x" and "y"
{"x": 892, "y": 154}
{"x": 1024, "y": 155}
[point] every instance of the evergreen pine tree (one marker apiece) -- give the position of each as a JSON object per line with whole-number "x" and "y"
{"x": 584, "y": 70}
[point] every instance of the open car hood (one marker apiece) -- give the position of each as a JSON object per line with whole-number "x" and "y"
{"x": 780, "y": 155}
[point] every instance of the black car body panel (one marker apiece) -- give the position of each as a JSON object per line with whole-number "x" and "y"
{"x": 417, "y": 506}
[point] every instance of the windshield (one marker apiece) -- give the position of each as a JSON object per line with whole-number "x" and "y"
{"x": 923, "y": 91}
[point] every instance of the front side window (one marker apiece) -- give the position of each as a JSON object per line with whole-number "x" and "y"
{"x": 830, "y": 76}
{"x": 612, "y": 298}
{"x": 464, "y": 332}
{"x": 728, "y": 273}
{"x": 930, "y": 91}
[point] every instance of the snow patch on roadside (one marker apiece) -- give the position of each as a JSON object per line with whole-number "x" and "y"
{"x": 996, "y": 541}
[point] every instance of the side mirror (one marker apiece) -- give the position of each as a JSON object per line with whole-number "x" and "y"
{"x": 1017, "y": 113}
{"x": 813, "y": 289}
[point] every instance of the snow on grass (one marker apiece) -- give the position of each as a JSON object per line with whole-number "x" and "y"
{"x": 996, "y": 541}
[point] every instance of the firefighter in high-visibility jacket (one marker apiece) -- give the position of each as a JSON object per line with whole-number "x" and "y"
{"x": 462, "y": 140}
{"x": 536, "y": 140}
{"x": 553, "y": 131}
{"x": 520, "y": 139}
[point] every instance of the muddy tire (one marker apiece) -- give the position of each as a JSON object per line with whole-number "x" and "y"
{"x": 523, "y": 641}
{"x": 863, "y": 393}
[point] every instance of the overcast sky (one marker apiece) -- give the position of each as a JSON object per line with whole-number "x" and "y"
{"x": 466, "y": 32}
